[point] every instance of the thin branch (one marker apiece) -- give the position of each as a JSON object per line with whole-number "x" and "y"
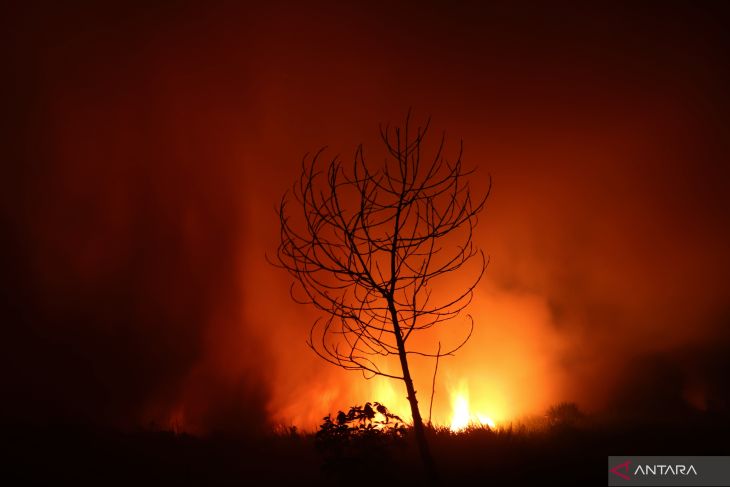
{"x": 433, "y": 383}
{"x": 368, "y": 245}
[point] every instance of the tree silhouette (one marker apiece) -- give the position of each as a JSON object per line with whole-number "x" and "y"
{"x": 367, "y": 247}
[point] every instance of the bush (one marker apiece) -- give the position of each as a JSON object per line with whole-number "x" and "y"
{"x": 564, "y": 415}
{"x": 359, "y": 439}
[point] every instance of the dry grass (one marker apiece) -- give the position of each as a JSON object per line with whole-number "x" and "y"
{"x": 527, "y": 452}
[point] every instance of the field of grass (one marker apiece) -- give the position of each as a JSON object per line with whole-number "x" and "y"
{"x": 521, "y": 454}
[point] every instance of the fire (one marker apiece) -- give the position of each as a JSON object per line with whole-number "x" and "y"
{"x": 462, "y": 417}
{"x": 466, "y": 409}
{"x": 486, "y": 421}
{"x": 507, "y": 371}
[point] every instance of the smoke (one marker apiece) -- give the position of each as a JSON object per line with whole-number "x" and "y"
{"x": 126, "y": 230}
{"x": 148, "y": 147}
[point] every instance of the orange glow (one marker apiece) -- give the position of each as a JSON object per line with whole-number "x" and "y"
{"x": 461, "y": 411}
{"x": 462, "y": 416}
{"x": 148, "y": 167}
{"x": 486, "y": 421}
{"x": 392, "y": 394}
{"x": 505, "y": 372}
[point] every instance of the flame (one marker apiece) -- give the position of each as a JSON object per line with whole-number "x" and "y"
{"x": 507, "y": 371}
{"x": 464, "y": 413}
{"x": 461, "y": 416}
{"x": 486, "y": 421}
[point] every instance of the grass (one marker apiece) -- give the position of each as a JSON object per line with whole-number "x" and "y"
{"x": 525, "y": 453}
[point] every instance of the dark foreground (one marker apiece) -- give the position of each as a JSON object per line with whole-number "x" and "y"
{"x": 568, "y": 454}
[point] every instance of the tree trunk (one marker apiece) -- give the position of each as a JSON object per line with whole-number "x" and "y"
{"x": 418, "y": 427}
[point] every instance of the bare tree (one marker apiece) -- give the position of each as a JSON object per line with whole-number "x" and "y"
{"x": 367, "y": 247}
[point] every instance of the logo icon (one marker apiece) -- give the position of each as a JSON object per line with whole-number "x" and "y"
{"x": 622, "y": 466}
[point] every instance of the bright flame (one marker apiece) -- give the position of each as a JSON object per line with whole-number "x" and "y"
{"x": 465, "y": 410}
{"x": 489, "y": 383}
{"x": 486, "y": 421}
{"x": 461, "y": 416}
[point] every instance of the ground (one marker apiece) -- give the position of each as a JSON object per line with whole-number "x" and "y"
{"x": 521, "y": 455}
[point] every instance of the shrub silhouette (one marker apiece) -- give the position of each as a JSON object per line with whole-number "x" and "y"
{"x": 359, "y": 439}
{"x": 564, "y": 415}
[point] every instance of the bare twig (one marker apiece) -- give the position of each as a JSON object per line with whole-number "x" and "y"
{"x": 433, "y": 383}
